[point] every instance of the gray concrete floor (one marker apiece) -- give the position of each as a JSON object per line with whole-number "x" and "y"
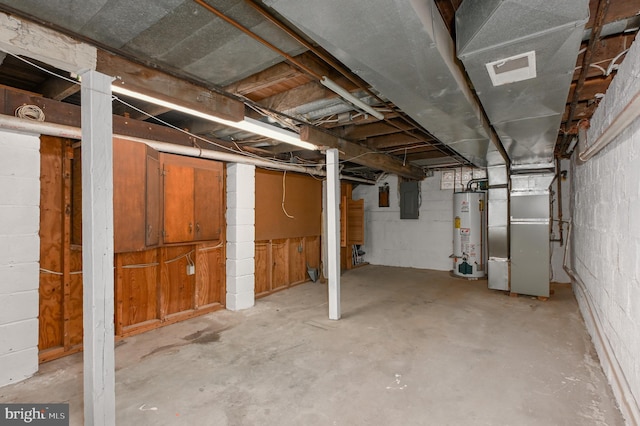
{"x": 413, "y": 347}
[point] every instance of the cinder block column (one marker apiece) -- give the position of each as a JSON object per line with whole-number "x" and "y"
{"x": 241, "y": 200}
{"x": 19, "y": 255}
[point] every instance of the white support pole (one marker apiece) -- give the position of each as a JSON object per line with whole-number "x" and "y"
{"x": 97, "y": 250}
{"x": 333, "y": 232}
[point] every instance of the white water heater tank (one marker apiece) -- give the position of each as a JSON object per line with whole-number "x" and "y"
{"x": 469, "y": 234}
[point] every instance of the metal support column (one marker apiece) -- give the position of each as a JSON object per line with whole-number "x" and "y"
{"x": 97, "y": 250}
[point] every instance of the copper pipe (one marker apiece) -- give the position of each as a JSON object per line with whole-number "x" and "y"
{"x": 603, "y": 6}
{"x": 256, "y": 37}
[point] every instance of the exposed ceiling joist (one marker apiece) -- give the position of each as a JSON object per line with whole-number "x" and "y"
{"x": 375, "y": 129}
{"x": 166, "y": 87}
{"x": 360, "y": 155}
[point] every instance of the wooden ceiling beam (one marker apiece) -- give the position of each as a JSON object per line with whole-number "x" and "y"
{"x": 354, "y": 153}
{"x": 590, "y": 88}
{"x": 427, "y": 155}
{"x": 160, "y": 85}
{"x": 375, "y": 129}
{"x": 276, "y": 75}
{"x": 69, "y": 115}
{"x": 617, "y": 10}
{"x": 394, "y": 140}
{"x": 58, "y": 89}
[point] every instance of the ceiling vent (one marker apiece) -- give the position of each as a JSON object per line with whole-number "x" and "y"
{"x": 516, "y": 68}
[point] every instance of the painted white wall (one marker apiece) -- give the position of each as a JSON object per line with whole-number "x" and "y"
{"x": 19, "y": 255}
{"x": 424, "y": 243}
{"x": 606, "y": 234}
{"x": 558, "y": 273}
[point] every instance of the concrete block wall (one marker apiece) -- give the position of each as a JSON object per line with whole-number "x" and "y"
{"x": 19, "y": 255}
{"x": 424, "y": 243}
{"x": 240, "y": 215}
{"x": 606, "y": 238}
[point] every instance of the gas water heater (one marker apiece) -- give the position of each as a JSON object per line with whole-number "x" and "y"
{"x": 469, "y": 234}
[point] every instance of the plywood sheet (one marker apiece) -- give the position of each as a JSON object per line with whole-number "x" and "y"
{"x": 51, "y": 251}
{"x": 74, "y": 323}
{"x": 303, "y": 201}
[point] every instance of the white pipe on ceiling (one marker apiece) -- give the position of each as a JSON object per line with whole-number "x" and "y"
{"x": 59, "y": 130}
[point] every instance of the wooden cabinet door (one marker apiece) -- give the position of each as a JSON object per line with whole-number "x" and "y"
{"x": 129, "y": 176}
{"x": 178, "y": 203}
{"x": 153, "y": 207}
{"x": 208, "y": 204}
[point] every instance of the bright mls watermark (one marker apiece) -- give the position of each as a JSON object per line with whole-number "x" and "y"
{"x": 34, "y": 414}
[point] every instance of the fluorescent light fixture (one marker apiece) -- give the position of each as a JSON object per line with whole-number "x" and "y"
{"x": 333, "y": 86}
{"x": 248, "y": 124}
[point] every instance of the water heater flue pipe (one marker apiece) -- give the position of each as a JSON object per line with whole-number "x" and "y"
{"x": 629, "y": 113}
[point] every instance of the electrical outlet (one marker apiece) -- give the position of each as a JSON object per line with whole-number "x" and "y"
{"x": 191, "y": 269}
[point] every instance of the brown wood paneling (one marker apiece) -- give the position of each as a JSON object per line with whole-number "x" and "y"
{"x": 355, "y": 222}
{"x": 153, "y": 199}
{"x": 296, "y": 260}
{"x": 129, "y": 176}
{"x": 177, "y": 286}
{"x": 280, "y": 264}
{"x": 178, "y": 203}
{"x": 51, "y": 251}
{"x": 76, "y": 197}
{"x": 74, "y": 323}
{"x": 303, "y": 201}
{"x": 209, "y": 274}
{"x": 312, "y": 251}
{"x": 139, "y": 274}
{"x": 208, "y": 203}
{"x": 343, "y": 220}
{"x": 262, "y": 267}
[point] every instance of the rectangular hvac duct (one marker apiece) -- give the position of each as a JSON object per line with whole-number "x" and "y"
{"x": 520, "y": 56}
{"x": 403, "y": 49}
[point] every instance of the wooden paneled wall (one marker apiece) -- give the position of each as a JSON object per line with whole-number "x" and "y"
{"x": 283, "y": 263}
{"x": 287, "y": 233}
{"x": 152, "y": 287}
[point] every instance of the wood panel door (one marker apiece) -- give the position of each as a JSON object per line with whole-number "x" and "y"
{"x": 136, "y": 209}
{"x": 177, "y": 288}
{"x": 178, "y": 203}
{"x": 208, "y": 198}
{"x": 210, "y": 278}
{"x": 279, "y": 264}
{"x": 263, "y": 268}
{"x": 153, "y": 197}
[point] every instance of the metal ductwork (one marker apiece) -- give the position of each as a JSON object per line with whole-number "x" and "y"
{"x": 403, "y": 49}
{"x": 520, "y": 56}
